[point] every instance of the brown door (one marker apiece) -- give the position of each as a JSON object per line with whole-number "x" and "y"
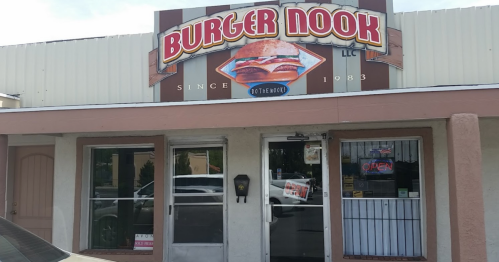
{"x": 33, "y": 190}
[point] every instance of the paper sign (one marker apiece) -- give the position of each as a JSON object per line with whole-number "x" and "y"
{"x": 312, "y": 154}
{"x": 348, "y": 179}
{"x": 358, "y": 194}
{"x": 413, "y": 194}
{"x": 143, "y": 242}
{"x": 348, "y": 187}
{"x": 296, "y": 190}
{"x": 403, "y": 192}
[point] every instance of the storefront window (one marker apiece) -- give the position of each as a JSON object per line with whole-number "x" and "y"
{"x": 381, "y": 198}
{"x": 198, "y": 183}
{"x": 122, "y": 206}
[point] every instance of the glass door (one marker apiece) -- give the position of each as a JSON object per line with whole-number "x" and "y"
{"x": 197, "y": 216}
{"x": 295, "y": 189}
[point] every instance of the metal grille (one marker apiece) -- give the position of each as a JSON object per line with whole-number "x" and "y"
{"x": 384, "y": 227}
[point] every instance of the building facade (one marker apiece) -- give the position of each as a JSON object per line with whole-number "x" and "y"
{"x": 273, "y": 131}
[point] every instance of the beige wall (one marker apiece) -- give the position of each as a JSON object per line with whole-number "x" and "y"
{"x": 489, "y": 132}
{"x": 244, "y": 157}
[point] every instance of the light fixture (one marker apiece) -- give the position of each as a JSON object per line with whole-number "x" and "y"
{"x": 298, "y": 137}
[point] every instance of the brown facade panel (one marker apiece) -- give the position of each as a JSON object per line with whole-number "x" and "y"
{"x": 319, "y": 80}
{"x": 219, "y": 87}
{"x": 375, "y": 5}
{"x": 377, "y": 75}
{"x": 168, "y": 87}
{"x": 267, "y": 3}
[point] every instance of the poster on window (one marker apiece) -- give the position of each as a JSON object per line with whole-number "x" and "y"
{"x": 296, "y": 190}
{"x": 312, "y": 154}
{"x": 143, "y": 242}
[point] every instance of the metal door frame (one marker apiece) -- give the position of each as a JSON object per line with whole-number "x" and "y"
{"x": 266, "y": 193}
{"x": 170, "y": 195}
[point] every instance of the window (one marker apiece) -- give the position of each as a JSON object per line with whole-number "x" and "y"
{"x": 381, "y": 198}
{"x": 122, "y": 203}
{"x": 198, "y": 195}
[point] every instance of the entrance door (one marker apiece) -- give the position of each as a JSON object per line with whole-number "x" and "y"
{"x": 33, "y": 190}
{"x": 197, "y": 206}
{"x": 295, "y": 194}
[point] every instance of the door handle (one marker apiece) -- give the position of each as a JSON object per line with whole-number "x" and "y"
{"x": 13, "y": 212}
{"x": 268, "y": 214}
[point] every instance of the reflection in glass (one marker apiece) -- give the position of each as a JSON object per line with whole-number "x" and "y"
{"x": 122, "y": 172}
{"x": 298, "y": 236}
{"x": 115, "y": 223}
{"x": 198, "y": 224}
{"x": 198, "y": 170}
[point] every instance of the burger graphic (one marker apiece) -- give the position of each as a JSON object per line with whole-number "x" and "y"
{"x": 268, "y": 67}
{"x": 267, "y": 61}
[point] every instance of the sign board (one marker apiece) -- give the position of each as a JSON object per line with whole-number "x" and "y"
{"x": 307, "y": 23}
{"x": 296, "y": 190}
{"x": 312, "y": 153}
{"x": 273, "y": 49}
{"x": 376, "y": 166}
{"x": 143, "y": 242}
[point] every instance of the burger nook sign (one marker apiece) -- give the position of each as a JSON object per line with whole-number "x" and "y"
{"x": 301, "y": 23}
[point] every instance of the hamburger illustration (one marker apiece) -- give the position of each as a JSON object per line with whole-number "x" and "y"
{"x": 267, "y": 61}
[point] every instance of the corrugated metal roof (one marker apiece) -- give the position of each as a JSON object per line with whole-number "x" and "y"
{"x": 450, "y": 47}
{"x": 111, "y": 69}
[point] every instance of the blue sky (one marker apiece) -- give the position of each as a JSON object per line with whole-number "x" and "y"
{"x": 28, "y": 21}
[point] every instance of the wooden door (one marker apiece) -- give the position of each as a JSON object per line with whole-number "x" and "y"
{"x": 33, "y": 190}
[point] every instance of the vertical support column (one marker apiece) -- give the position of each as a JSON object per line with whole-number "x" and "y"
{"x": 4, "y": 149}
{"x": 465, "y": 189}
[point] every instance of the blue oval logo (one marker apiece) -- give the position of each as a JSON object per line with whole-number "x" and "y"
{"x": 268, "y": 90}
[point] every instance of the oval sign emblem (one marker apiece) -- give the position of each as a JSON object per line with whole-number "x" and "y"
{"x": 268, "y": 90}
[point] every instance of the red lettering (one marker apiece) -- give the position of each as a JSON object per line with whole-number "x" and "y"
{"x": 296, "y": 22}
{"x": 212, "y": 32}
{"x": 172, "y": 47}
{"x": 389, "y": 166}
{"x": 266, "y": 22}
{"x": 287, "y": 188}
{"x": 192, "y": 37}
{"x": 249, "y": 23}
{"x": 232, "y": 31}
{"x": 344, "y": 24}
{"x": 320, "y": 22}
{"x": 382, "y": 167}
{"x": 303, "y": 193}
{"x": 298, "y": 190}
{"x": 366, "y": 167}
{"x": 369, "y": 29}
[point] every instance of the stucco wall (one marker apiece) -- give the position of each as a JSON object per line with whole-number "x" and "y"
{"x": 489, "y": 132}
{"x": 244, "y": 157}
{"x": 64, "y": 188}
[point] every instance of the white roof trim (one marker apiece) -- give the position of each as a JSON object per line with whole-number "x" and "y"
{"x": 9, "y": 96}
{"x": 249, "y": 100}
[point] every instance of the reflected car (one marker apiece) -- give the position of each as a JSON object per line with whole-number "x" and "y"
{"x": 277, "y": 198}
{"x": 17, "y": 244}
{"x": 105, "y": 224}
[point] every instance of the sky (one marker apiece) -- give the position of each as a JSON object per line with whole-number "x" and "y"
{"x": 30, "y": 21}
